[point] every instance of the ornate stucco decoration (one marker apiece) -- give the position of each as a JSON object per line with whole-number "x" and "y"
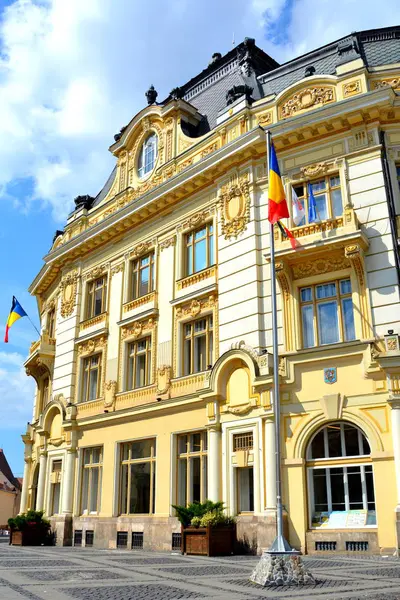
{"x": 68, "y": 288}
{"x": 313, "y": 170}
{"x": 393, "y": 83}
{"x": 49, "y": 304}
{"x": 352, "y": 88}
{"x": 196, "y": 278}
{"x": 306, "y": 99}
{"x": 96, "y": 272}
{"x": 171, "y": 241}
{"x": 91, "y": 346}
{"x": 195, "y": 307}
{"x": 235, "y": 207}
{"x": 354, "y": 254}
{"x": 142, "y": 248}
{"x": 164, "y": 374}
{"x": 240, "y": 410}
{"x": 320, "y": 266}
{"x": 185, "y": 164}
{"x": 209, "y": 150}
{"x": 110, "y": 389}
{"x": 197, "y": 219}
{"x": 264, "y": 118}
{"x": 138, "y": 327}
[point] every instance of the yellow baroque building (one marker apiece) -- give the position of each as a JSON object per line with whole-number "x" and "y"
{"x": 154, "y": 366}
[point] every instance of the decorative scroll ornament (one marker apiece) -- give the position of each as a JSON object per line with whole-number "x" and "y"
{"x": 385, "y": 83}
{"x": 168, "y": 243}
{"x": 117, "y": 268}
{"x": 138, "y": 328}
{"x": 195, "y": 307}
{"x": 140, "y": 249}
{"x": 306, "y": 99}
{"x": 264, "y": 118}
{"x": 196, "y": 219}
{"x": 320, "y": 266}
{"x": 313, "y": 170}
{"x": 235, "y": 208}
{"x": 96, "y": 272}
{"x": 164, "y": 380}
{"x": 354, "y": 87}
{"x": 68, "y": 288}
{"x": 92, "y": 345}
{"x": 110, "y": 389}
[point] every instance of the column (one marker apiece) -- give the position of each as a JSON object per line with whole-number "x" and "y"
{"x": 25, "y": 485}
{"x": 68, "y": 482}
{"x": 41, "y": 480}
{"x": 270, "y": 465}
{"x": 214, "y": 463}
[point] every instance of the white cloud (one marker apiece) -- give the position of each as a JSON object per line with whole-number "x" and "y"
{"x": 73, "y": 72}
{"x": 16, "y": 392}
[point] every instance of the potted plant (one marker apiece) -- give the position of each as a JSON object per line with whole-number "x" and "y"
{"x": 29, "y": 529}
{"x": 206, "y": 529}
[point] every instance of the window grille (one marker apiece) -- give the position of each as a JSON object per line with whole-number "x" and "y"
{"x": 89, "y": 537}
{"x": 176, "y": 541}
{"x": 356, "y": 546}
{"x": 325, "y": 546}
{"x": 137, "y": 540}
{"x": 122, "y": 539}
{"x": 78, "y": 537}
{"x": 242, "y": 441}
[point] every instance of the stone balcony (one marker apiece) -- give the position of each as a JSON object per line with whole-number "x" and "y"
{"x": 41, "y": 357}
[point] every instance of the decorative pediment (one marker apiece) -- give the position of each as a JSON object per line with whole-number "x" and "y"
{"x": 308, "y": 98}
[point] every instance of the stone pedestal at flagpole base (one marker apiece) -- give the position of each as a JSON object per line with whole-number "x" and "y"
{"x": 281, "y": 568}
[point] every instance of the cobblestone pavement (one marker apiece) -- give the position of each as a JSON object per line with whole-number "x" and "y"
{"x": 88, "y": 574}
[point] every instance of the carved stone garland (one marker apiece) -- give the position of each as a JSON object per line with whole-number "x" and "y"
{"x": 235, "y": 207}
{"x": 305, "y": 99}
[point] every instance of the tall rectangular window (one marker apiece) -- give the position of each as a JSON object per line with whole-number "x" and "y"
{"x": 328, "y": 198}
{"x": 199, "y": 249}
{"x": 245, "y": 489}
{"x": 137, "y": 477}
{"x": 142, "y": 276}
{"x": 192, "y": 467}
{"x": 51, "y": 323}
{"x": 197, "y": 345}
{"x": 139, "y": 363}
{"x": 91, "y": 480}
{"x": 327, "y": 313}
{"x": 91, "y": 377}
{"x": 398, "y": 174}
{"x": 96, "y": 297}
{"x": 55, "y": 489}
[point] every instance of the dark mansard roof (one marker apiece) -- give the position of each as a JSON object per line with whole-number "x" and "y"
{"x": 248, "y": 70}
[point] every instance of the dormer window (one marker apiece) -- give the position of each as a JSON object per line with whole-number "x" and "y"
{"x": 148, "y": 155}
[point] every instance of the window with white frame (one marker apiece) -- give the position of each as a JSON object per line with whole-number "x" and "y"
{"x": 192, "y": 467}
{"x": 327, "y": 313}
{"x": 91, "y": 380}
{"x": 96, "y": 297}
{"x": 327, "y": 194}
{"x": 198, "y": 343}
{"x": 199, "y": 245}
{"x": 340, "y": 495}
{"x": 138, "y": 363}
{"x": 148, "y": 155}
{"x": 138, "y": 477}
{"x": 92, "y": 462}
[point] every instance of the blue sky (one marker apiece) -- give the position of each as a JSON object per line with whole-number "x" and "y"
{"x": 72, "y": 73}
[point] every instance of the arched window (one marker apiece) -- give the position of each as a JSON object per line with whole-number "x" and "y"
{"x": 340, "y": 478}
{"x": 148, "y": 155}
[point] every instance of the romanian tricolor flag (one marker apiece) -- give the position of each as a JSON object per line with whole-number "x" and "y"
{"x": 277, "y": 205}
{"x": 16, "y": 313}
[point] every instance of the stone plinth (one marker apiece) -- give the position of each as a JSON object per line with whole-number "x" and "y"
{"x": 281, "y": 568}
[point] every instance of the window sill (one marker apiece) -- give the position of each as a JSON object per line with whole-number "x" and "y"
{"x": 132, "y": 304}
{"x": 93, "y": 321}
{"x": 196, "y": 277}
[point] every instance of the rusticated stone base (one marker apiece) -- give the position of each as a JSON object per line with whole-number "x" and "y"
{"x": 62, "y": 528}
{"x": 276, "y": 568}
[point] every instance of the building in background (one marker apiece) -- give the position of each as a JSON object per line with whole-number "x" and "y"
{"x": 153, "y": 368}
{"x": 10, "y": 491}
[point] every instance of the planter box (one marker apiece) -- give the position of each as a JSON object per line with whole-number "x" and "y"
{"x": 31, "y": 536}
{"x": 209, "y": 541}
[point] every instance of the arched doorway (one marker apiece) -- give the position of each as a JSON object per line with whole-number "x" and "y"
{"x": 340, "y": 478}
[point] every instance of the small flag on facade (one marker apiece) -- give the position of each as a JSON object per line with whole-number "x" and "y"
{"x": 277, "y": 205}
{"x": 298, "y": 212}
{"x": 312, "y": 205}
{"x": 287, "y": 233}
{"x": 16, "y": 313}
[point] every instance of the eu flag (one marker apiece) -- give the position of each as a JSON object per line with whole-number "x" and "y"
{"x": 312, "y": 206}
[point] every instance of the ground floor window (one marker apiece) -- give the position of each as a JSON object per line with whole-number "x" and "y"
{"x": 55, "y": 487}
{"x": 341, "y": 495}
{"x": 137, "y": 477}
{"x": 192, "y": 467}
{"x": 91, "y": 480}
{"x": 245, "y": 489}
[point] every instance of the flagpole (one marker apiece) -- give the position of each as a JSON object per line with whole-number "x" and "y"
{"x": 33, "y": 324}
{"x": 279, "y": 544}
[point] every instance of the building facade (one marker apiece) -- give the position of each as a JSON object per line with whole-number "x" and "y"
{"x": 154, "y": 366}
{"x": 10, "y": 492}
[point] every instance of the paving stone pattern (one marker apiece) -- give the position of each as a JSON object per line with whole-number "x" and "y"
{"x": 88, "y": 574}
